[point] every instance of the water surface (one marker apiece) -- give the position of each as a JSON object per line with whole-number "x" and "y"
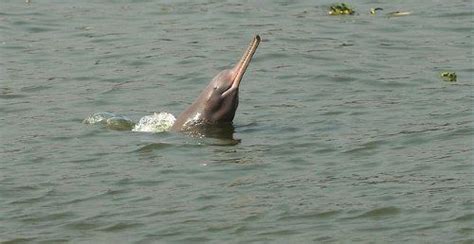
{"x": 345, "y": 131}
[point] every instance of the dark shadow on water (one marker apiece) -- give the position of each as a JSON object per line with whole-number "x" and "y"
{"x": 199, "y": 136}
{"x": 218, "y": 134}
{"x": 153, "y": 146}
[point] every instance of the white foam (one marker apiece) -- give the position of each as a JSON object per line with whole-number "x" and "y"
{"x": 100, "y": 117}
{"x": 158, "y": 122}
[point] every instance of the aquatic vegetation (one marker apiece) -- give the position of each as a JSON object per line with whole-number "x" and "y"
{"x": 344, "y": 9}
{"x": 449, "y": 76}
{"x": 340, "y": 9}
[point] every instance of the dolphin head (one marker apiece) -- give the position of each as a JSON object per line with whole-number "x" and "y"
{"x": 222, "y": 94}
{"x": 218, "y": 102}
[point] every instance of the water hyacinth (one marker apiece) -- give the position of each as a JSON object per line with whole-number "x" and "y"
{"x": 340, "y": 9}
{"x": 449, "y": 76}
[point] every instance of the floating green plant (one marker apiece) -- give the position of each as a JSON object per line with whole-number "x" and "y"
{"x": 449, "y": 76}
{"x": 340, "y": 9}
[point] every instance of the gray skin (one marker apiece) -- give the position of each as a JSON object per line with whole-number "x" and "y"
{"x": 219, "y": 100}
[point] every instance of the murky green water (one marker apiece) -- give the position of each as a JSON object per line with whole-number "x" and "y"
{"x": 346, "y": 131}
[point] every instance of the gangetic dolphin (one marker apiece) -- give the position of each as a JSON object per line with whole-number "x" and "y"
{"x": 219, "y": 100}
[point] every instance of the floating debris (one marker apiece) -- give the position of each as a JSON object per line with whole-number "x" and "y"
{"x": 340, "y": 9}
{"x": 85, "y": 28}
{"x": 398, "y": 14}
{"x": 373, "y": 10}
{"x": 449, "y": 76}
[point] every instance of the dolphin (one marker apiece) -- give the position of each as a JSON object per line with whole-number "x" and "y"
{"x": 217, "y": 103}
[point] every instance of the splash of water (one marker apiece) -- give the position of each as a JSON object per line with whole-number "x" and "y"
{"x": 110, "y": 120}
{"x": 158, "y": 122}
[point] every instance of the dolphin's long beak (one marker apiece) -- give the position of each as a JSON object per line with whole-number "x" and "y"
{"x": 242, "y": 65}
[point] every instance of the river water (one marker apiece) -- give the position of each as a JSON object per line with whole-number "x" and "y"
{"x": 345, "y": 130}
